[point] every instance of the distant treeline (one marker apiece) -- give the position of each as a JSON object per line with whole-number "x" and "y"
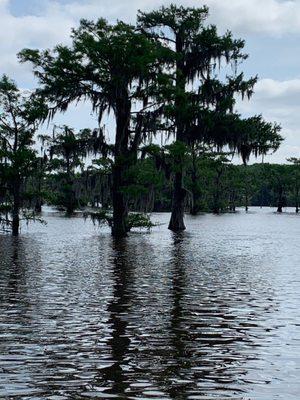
{"x": 212, "y": 184}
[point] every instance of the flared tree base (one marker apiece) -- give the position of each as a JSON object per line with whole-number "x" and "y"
{"x": 176, "y": 222}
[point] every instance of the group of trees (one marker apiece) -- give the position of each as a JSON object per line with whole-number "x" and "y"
{"x": 172, "y": 75}
{"x": 220, "y": 186}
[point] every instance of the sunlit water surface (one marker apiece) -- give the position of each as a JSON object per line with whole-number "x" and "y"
{"x": 213, "y": 313}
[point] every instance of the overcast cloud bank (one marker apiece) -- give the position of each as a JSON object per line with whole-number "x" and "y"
{"x": 276, "y": 99}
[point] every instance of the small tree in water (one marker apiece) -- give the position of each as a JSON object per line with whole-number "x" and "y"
{"x": 67, "y": 150}
{"x": 257, "y": 137}
{"x": 19, "y": 118}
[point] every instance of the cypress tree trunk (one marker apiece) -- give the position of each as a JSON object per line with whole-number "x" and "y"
{"x": 246, "y": 191}
{"x": 16, "y": 208}
{"x": 216, "y": 195}
{"x": 38, "y": 203}
{"x": 120, "y": 212}
{"x": 70, "y": 200}
{"x": 246, "y": 202}
{"x": 194, "y": 207}
{"x": 216, "y": 208}
{"x": 16, "y": 192}
{"x": 280, "y": 201}
{"x": 70, "y": 204}
{"x": 232, "y": 198}
{"x": 119, "y": 228}
{"x": 177, "y": 216}
{"x": 38, "y": 206}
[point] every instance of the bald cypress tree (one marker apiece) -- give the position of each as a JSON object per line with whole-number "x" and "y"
{"x": 20, "y": 114}
{"x": 113, "y": 67}
{"x": 67, "y": 151}
{"x": 199, "y": 93}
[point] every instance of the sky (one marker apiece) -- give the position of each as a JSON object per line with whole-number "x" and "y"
{"x": 271, "y": 29}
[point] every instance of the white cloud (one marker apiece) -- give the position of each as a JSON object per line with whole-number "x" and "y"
{"x": 29, "y": 31}
{"x": 276, "y": 100}
{"x": 271, "y": 17}
{"x": 279, "y": 90}
{"x": 54, "y": 22}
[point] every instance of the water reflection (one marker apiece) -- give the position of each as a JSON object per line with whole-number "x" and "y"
{"x": 17, "y": 317}
{"x": 158, "y": 316}
{"x": 119, "y": 311}
{"x": 205, "y": 344}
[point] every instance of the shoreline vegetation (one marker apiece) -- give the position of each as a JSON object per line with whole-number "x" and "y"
{"x": 170, "y": 76}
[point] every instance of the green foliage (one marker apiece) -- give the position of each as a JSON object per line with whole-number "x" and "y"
{"x": 137, "y": 220}
{"x": 197, "y": 97}
{"x": 67, "y": 151}
{"x": 20, "y": 114}
{"x": 141, "y": 177}
{"x": 134, "y": 220}
{"x": 105, "y": 63}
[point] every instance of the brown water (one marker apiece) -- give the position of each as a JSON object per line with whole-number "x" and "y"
{"x": 213, "y": 313}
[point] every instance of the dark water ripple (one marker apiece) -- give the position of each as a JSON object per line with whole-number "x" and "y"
{"x": 212, "y": 313}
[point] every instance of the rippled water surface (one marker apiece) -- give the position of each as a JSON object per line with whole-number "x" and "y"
{"x": 213, "y": 313}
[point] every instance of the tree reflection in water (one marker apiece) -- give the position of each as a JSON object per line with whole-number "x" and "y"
{"x": 119, "y": 308}
{"x": 145, "y": 317}
{"x": 202, "y": 346}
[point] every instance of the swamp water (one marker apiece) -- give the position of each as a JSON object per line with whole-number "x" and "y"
{"x": 212, "y": 313}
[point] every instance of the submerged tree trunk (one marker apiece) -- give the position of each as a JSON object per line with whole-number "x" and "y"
{"x": 38, "y": 203}
{"x": 216, "y": 209}
{"x": 280, "y": 201}
{"x": 38, "y": 206}
{"x": 119, "y": 228}
{"x": 232, "y": 198}
{"x": 120, "y": 212}
{"x": 71, "y": 198}
{"x": 177, "y": 216}
{"x": 246, "y": 188}
{"x": 16, "y": 208}
{"x": 70, "y": 195}
{"x": 70, "y": 201}
{"x": 194, "y": 207}
{"x": 217, "y": 194}
{"x": 70, "y": 206}
{"x": 246, "y": 202}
